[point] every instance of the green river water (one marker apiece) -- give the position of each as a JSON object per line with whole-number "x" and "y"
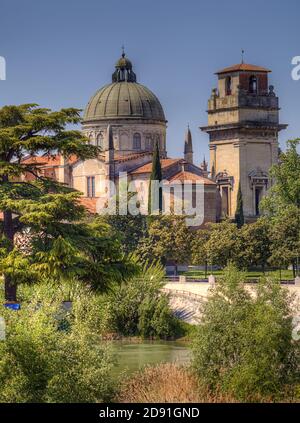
{"x": 131, "y": 357}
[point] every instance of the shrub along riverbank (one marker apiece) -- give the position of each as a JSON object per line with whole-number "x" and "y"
{"x": 243, "y": 350}
{"x": 54, "y": 349}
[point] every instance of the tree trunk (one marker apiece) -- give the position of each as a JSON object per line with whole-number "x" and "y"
{"x": 294, "y": 269}
{"x": 10, "y": 289}
{"x": 8, "y": 229}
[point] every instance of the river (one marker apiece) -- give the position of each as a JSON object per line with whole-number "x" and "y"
{"x": 131, "y": 357}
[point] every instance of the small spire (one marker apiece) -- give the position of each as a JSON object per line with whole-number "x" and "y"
{"x": 188, "y": 146}
{"x": 188, "y": 140}
{"x": 203, "y": 165}
{"x": 243, "y": 51}
{"x": 123, "y": 51}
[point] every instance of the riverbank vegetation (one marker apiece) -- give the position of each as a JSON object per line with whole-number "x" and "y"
{"x": 243, "y": 351}
{"x": 53, "y": 355}
{"x": 173, "y": 383}
{"x": 244, "y": 346}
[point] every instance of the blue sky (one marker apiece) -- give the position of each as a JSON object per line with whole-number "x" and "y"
{"x": 59, "y": 53}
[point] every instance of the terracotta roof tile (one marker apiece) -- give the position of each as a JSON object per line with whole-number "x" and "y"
{"x": 46, "y": 160}
{"x": 189, "y": 176}
{"x": 147, "y": 168}
{"x": 130, "y": 156}
{"x": 42, "y": 160}
{"x": 243, "y": 67}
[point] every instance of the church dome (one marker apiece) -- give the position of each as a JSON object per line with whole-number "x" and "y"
{"x": 124, "y": 98}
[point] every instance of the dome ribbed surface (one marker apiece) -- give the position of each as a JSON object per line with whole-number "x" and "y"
{"x": 121, "y": 100}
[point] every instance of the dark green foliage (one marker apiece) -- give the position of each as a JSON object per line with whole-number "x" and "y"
{"x": 156, "y": 319}
{"x": 40, "y": 362}
{"x": 239, "y": 213}
{"x": 244, "y": 345}
{"x": 139, "y": 308}
{"x": 131, "y": 229}
{"x": 45, "y": 213}
{"x": 168, "y": 238}
{"x": 156, "y": 175}
{"x": 282, "y": 206}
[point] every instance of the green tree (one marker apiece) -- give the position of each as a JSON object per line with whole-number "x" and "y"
{"x": 256, "y": 244}
{"x": 239, "y": 213}
{"x": 168, "y": 239}
{"x": 282, "y": 204}
{"x": 138, "y": 307}
{"x": 156, "y": 176}
{"x": 156, "y": 319}
{"x": 40, "y": 363}
{"x": 47, "y": 214}
{"x": 199, "y": 250}
{"x": 224, "y": 244}
{"x": 286, "y": 190}
{"x": 284, "y": 238}
{"x": 131, "y": 229}
{"x": 244, "y": 345}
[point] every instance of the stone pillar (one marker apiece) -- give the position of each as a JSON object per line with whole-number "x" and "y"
{"x": 212, "y": 280}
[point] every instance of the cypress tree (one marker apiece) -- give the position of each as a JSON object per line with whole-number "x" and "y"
{"x": 156, "y": 175}
{"x": 239, "y": 213}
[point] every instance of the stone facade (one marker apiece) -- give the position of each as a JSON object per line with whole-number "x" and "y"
{"x": 126, "y": 120}
{"x": 129, "y": 137}
{"x": 243, "y": 126}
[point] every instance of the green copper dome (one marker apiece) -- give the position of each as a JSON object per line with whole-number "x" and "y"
{"x": 124, "y": 98}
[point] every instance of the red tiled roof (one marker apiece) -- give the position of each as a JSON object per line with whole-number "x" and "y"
{"x": 42, "y": 160}
{"x": 147, "y": 168}
{"x": 130, "y": 156}
{"x": 189, "y": 176}
{"x": 243, "y": 67}
{"x": 46, "y": 160}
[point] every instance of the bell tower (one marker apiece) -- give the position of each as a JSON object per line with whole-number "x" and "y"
{"x": 243, "y": 127}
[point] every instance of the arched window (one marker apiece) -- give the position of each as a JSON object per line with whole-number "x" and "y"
{"x": 253, "y": 84}
{"x": 228, "y": 85}
{"x": 100, "y": 141}
{"x": 137, "y": 141}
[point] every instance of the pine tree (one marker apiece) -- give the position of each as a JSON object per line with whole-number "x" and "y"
{"x": 156, "y": 175}
{"x": 44, "y": 212}
{"x": 239, "y": 213}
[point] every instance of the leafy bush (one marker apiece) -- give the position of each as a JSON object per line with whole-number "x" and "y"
{"x": 138, "y": 307}
{"x": 40, "y": 363}
{"x": 156, "y": 320}
{"x": 244, "y": 344}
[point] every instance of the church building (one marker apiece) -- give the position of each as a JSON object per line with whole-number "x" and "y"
{"x": 126, "y": 120}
